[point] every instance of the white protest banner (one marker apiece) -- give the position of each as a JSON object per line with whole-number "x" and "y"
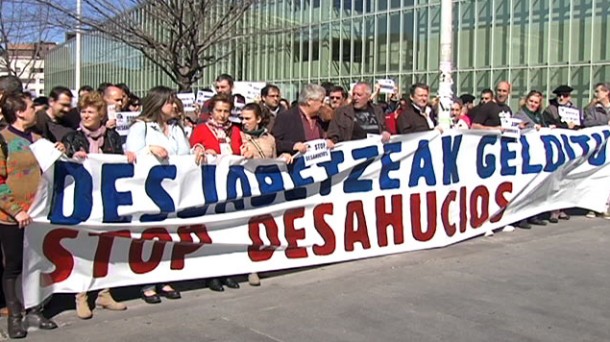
{"x": 568, "y": 114}
{"x": 124, "y": 121}
{"x": 203, "y": 96}
{"x": 317, "y": 152}
{"x": 188, "y": 100}
{"x": 103, "y": 223}
{"x": 386, "y": 86}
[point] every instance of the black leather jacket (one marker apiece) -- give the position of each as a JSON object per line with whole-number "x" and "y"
{"x": 77, "y": 141}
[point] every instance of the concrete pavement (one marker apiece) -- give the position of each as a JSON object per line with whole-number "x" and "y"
{"x": 547, "y": 284}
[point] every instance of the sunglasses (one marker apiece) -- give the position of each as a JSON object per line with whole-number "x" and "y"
{"x": 335, "y": 97}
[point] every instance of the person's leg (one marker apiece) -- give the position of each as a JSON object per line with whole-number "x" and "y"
{"x": 149, "y": 294}
{"x": 11, "y": 238}
{"x": 105, "y": 300}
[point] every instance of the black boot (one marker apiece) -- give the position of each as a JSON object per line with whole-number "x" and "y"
{"x": 36, "y": 319}
{"x": 15, "y": 318}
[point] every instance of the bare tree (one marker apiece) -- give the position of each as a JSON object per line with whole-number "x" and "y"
{"x": 175, "y": 35}
{"x": 24, "y": 29}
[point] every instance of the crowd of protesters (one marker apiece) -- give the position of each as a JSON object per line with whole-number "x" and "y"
{"x": 270, "y": 128}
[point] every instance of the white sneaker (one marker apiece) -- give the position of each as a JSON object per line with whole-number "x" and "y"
{"x": 489, "y": 233}
{"x": 591, "y": 214}
{"x": 508, "y": 228}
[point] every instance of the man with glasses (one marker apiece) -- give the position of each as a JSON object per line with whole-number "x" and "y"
{"x": 563, "y": 102}
{"x": 270, "y": 96}
{"x": 338, "y": 97}
{"x": 358, "y": 119}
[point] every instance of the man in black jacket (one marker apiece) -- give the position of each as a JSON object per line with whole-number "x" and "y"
{"x": 417, "y": 116}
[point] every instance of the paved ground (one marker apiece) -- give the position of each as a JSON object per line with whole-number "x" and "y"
{"x": 547, "y": 284}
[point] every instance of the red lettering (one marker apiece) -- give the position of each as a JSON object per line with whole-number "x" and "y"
{"x": 104, "y": 248}
{"x": 479, "y": 194}
{"x": 385, "y": 219}
{"x": 361, "y": 233}
{"x": 255, "y": 252}
{"x": 136, "y": 261}
{"x": 501, "y": 200}
{"x": 186, "y": 244}
{"x": 450, "y": 228}
{"x": 463, "y": 210}
{"x": 293, "y": 235}
{"x": 416, "y": 225}
{"x": 60, "y": 257}
{"x": 324, "y": 229}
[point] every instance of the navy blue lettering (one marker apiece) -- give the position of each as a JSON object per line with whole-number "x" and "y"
{"x": 569, "y": 150}
{"x": 598, "y": 158}
{"x": 353, "y": 183}
{"x": 270, "y": 182}
{"x": 506, "y": 155}
{"x": 583, "y": 141}
{"x": 422, "y": 166}
{"x": 236, "y": 173}
{"x": 83, "y": 187}
{"x": 528, "y": 167}
{"x": 157, "y": 194}
{"x": 294, "y": 169}
{"x": 387, "y": 165}
{"x": 486, "y": 164}
{"x": 332, "y": 168}
{"x": 549, "y": 141}
{"x": 451, "y": 147}
{"x": 111, "y": 198}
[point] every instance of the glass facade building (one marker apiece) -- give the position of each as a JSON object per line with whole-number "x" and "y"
{"x": 535, "y": 44}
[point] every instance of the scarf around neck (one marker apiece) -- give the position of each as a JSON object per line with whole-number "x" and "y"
{"x": 221, "y": 131}
{"x": 95, "y": 138}
{"x": 257, "y": 133}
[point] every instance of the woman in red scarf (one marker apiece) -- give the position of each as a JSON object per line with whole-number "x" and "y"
{"x": 218, "y": 136}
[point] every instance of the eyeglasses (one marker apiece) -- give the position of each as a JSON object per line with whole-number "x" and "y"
{"x": 563, "y": 95}
{"x": 336, "y": 97}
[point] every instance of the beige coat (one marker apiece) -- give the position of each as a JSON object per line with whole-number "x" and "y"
{"x": 263, "y": 146}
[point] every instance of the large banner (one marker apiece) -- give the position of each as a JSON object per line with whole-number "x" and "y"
{"x": 103, "y": 223}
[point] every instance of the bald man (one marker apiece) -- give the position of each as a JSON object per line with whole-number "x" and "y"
{"x": 488, "y": 115}
{"x": 114, "y": 95}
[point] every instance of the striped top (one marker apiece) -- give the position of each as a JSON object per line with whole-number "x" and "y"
{"x": 19, "y": 175}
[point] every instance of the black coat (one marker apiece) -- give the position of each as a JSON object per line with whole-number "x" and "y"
{"x": 77, "y": 141}
{"x": 288, "y": 130}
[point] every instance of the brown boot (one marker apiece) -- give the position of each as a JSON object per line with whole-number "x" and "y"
{"x": 105, "y": 300}
{"x": 82, "y": 306}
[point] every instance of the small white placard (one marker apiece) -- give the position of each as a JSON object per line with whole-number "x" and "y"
{"x": 188, "y": 100}
{"x": 511, "y": 127}
{"x": 568, "y": 114}
{"x": 45, "y": 152}
{"x": 124, "y": 121}
{"x": 386, "y": 86}
{"x": 317, "y": 152}
{"x": 203, "y": 96}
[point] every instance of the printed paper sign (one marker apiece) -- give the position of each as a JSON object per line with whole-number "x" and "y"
{"x": 250, "y": 90}
{"x": 124, "y": 121}
{"x": 387, "y": 86}
{"x": 511, "y": 127}
{"x": 568, "y": 114}
{"x": 203, "y": 96}
{"x": 188, "y": 100}
{"x": 317, "y": 152}
{"x": 43, "y": 147}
